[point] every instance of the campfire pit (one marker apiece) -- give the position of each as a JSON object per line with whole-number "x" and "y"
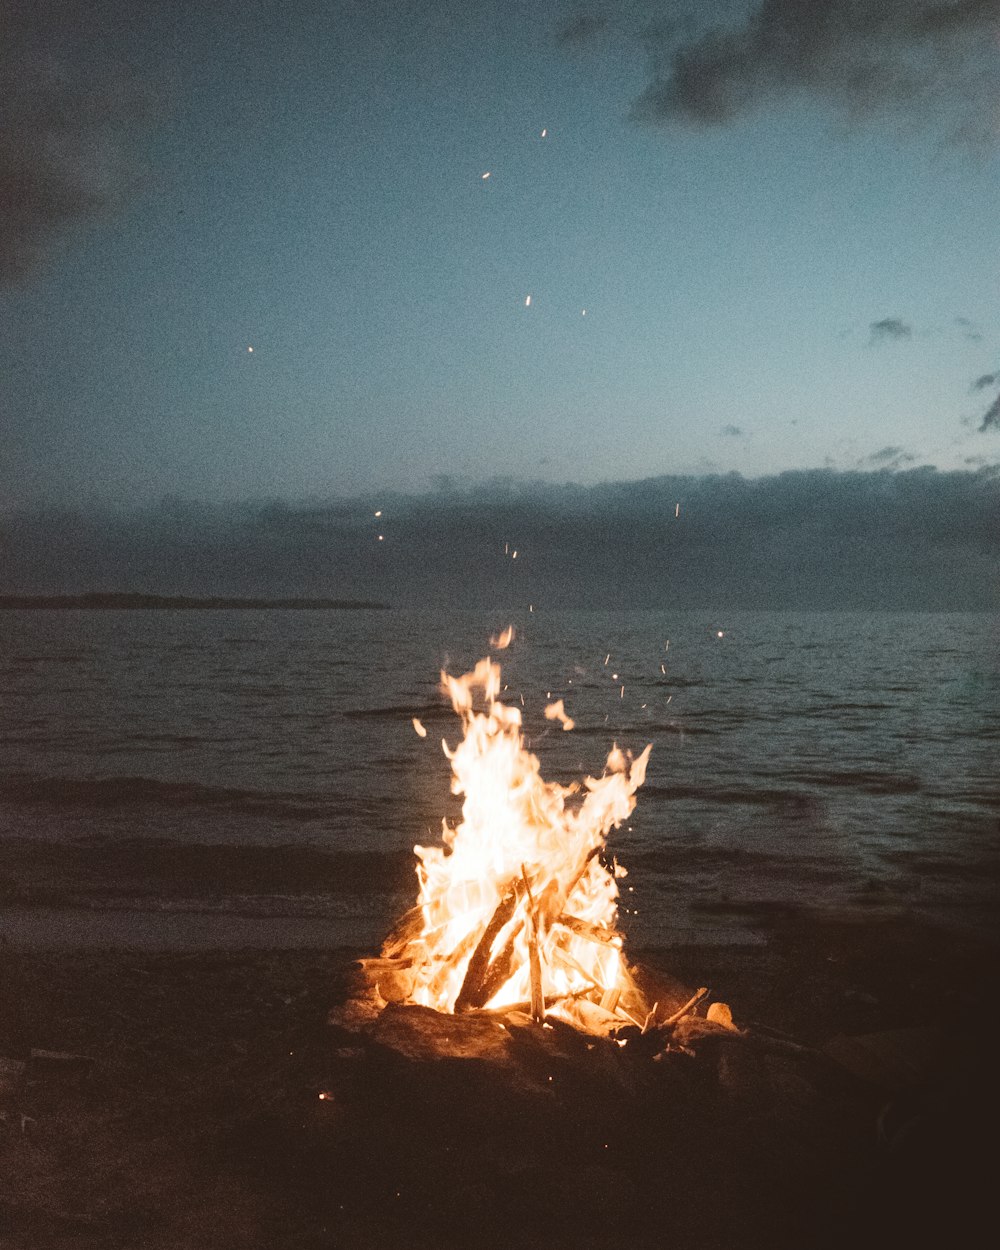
{"x": 516, "y": 920}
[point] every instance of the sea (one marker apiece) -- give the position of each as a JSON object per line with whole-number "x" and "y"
{"x": 211, "y": 778}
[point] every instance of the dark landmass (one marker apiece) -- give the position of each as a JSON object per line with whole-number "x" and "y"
{"x": 130, "y": 602}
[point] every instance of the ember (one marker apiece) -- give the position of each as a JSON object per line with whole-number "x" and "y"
{"x": 519, "y": 907}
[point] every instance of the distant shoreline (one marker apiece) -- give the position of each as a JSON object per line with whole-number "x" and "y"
{"x": 132, "y": 602}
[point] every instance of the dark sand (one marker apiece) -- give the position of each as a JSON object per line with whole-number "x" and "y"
{"x": 199, "y": 1122}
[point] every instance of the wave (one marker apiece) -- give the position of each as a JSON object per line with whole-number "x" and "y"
{"x": 132, "y": 791}
{"x": 403, "y": 712}
{"x": 863, "y": 780}
{"x": 763, "y": 796}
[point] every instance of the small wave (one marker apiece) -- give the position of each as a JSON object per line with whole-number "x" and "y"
{"x": 54, "y": 658}
{"x": 424, "y": 711}
{"x": 111, "y": 792}
{"x": 867, "y": 782}
{"x": 763, "y": 796}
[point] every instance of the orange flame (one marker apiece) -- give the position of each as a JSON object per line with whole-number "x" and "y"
{"x": 518, "y": 906}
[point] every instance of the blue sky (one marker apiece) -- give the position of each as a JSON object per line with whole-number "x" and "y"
{"x": 803, "y": 275}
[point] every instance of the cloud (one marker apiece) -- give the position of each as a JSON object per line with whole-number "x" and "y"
{"x": 991, "y": 418}
{"x": 66, "y": 124}
{"x": 888, "y": 458}
{"x": 985, "y": 380}
{"x": 889, "y": 328}
{"x": 917, "y": 538}
{"x": 732, "y": 431}
{"x": 970, "y": 330}
{"x": 860, "y": 58}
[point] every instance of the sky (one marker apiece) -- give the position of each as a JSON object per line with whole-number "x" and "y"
{"x": 378, "y": 249}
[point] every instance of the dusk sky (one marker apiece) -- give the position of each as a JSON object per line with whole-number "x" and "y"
{"x": 780, "y": 218}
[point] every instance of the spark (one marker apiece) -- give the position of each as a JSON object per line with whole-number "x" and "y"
{"x": 418, "y": 726}
{"x": 614, "y": 676}
{"x": 621, "y": 693}
{"x": 677, "y": 510}
{"x": 663, "y": 669}
{"x": 527, "y": 301}
{"x": 381, "y": 538}
{"x": 486, "y": 175}
{"x": 250, "y": 350}
{"x": 513, "y": 555}
{"x": 583, "y": 312}
{"x": 379, "y": 513}
{"x": 606, "y": 658}
{"x": 719, "y": 633}
{"x": 544, "y": 132}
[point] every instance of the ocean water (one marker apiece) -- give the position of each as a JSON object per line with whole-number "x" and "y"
{"x": 175, "y": 769}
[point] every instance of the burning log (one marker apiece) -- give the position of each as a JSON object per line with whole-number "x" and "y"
{"x": 479, "y": 964}
{"x": 534, "y": 959}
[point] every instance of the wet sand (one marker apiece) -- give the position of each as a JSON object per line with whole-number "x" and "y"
{"x": 196, "y": 1118}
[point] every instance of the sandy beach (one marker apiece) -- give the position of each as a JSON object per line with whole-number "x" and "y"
{"x": 211, "y": 1104}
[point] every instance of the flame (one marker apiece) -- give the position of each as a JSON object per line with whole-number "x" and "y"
{"x": 501, "y": 641}
{"x": 556, "y": 711}
{"x": 518, "y": 905}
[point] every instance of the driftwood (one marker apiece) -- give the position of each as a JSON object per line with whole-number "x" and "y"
{"x": 689, "y": 1006}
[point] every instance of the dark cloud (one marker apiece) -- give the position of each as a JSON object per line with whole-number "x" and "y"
{"x": 985, "y": 380}
{"x": 890, "y": 328}
{"x": 991, "y": 418}
{"x": 732, "y": 431}
{"x": 809, "y": 539}
{"x": 66, "y": 124}
{"x": 931, "y": 58}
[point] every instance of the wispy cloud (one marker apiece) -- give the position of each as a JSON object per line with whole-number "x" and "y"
{"x": 991, "y": 418}
{"x": 888, "y": 458}
{"x": 935, "y": 60}
{"x": 889, "y": 329}
{"x": 985, "y": 380}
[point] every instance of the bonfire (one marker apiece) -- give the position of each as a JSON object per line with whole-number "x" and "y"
{"x": 518, "y": 907}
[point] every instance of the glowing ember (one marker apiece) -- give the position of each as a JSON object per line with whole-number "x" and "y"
{"x": 519, "y": 906}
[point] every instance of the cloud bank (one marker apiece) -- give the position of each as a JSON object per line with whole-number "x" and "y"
{"x": 811, "y": 539}
{"x": 935, "y": 60}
